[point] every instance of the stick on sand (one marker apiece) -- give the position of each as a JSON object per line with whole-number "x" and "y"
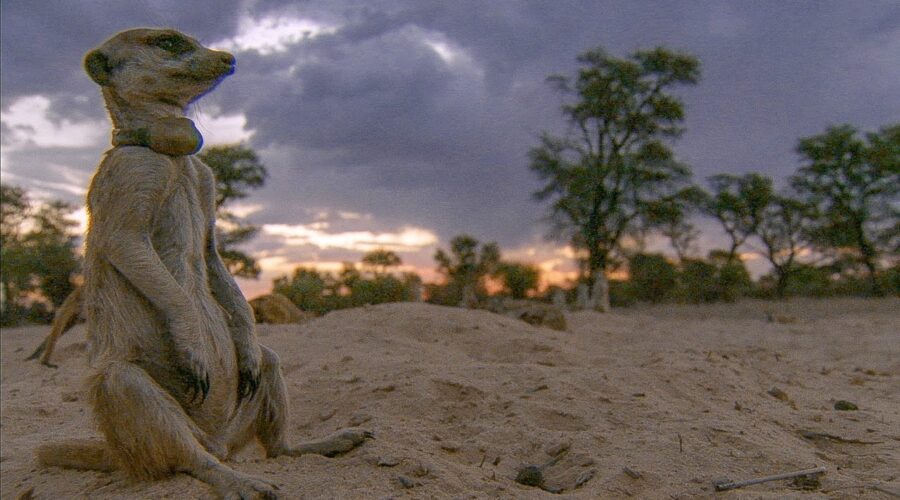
{"x": 731, "y": 485}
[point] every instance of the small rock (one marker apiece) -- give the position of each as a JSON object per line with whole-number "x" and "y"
{"x": 385, "y": 388}
{"x": 842, "y": 405}
{"x": 406, "y": 482}
{"x": 26, "y": 495}
{"x": 388, "y": 461}
{"x": 325, "y": 415}
{"x": 530, "y": 475}
{"x": 558, "y": 448}
{"x": 70, "y": 397}
{"x": 633, "y": 474}
{"x": 450, "y": 447}
{"x": 778, "y": 394}
{"x": 420, "y": 470}
{"x": 584, "y": 477}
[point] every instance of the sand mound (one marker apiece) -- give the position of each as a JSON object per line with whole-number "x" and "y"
{"x": 461, "y": 399}
{"x": 276, "y": 309}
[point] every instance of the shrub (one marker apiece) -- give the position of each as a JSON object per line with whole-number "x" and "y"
{"x": 653, "y": 277}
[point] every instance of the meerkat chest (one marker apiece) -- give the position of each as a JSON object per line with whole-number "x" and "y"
{"x": 186, "y": 216}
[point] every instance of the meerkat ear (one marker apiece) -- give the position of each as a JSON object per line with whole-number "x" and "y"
{"x": 97, "y": 66}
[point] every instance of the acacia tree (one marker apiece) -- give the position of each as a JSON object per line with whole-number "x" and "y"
{"x": 37, "y": 250}
{"x": 518, "y": 278}
{"x": 737, "y": 202}
{"x": 781, "y": 227}
{"x": 671, "y": 216}
{"x": 237, "y": 170}
{"x": 613, "y": 164}
{"x": 854, "y": 185}
{"x": 381, "y": 260}
{"x": 465, "y": 267}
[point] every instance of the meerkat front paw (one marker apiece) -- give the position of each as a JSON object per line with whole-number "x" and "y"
{"x": 195, "y": 375}
{"x": 249, "y": 361}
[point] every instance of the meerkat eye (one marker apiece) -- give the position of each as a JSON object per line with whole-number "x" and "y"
{"x": 173, "y": 44}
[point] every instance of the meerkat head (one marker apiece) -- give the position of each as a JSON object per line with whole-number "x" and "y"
{"x": 148, "y": 77}
{"x": 145, "y": 66}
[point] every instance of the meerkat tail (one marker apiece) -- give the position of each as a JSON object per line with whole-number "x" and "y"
{"x": 38, "y": 351}
{"x": 80, "y": 454}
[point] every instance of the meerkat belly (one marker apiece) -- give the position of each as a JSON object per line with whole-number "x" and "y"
{"x": 182, "y": 249}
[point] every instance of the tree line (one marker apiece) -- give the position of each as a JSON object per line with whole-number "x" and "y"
{"x": 610, "y": 180}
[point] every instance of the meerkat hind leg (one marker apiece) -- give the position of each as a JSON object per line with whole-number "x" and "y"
{"x": 272, "y": 418}
{"x": 152, "y": 436}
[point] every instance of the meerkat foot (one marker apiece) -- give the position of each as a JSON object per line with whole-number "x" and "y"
{"x": 233, "y": 485}
{"x": 341, "y": 441}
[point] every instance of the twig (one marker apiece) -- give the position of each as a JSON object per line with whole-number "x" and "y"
{"x": 731, "y": 485}
{"x": 822, "y": 435}
{"x": 882, "y": 489}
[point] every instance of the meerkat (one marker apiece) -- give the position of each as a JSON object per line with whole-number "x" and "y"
{"x": 178, "y": 380}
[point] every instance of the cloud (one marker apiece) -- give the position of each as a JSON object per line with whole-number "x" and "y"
{"x": 272, "y": 34}
{"x": 221, "y": 128}
{"x": 406, "y": 239}
{"x": 27, "y": 122}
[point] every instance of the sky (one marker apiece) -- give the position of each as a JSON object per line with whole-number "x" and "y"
{"x": 401, "y": 124}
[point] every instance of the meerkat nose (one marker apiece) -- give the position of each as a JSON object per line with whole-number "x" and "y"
{"x": 226, "y": 58}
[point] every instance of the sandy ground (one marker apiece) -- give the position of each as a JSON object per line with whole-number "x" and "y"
{"x": 459, "y": 400}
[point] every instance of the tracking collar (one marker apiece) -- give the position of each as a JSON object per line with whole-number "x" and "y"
{"x": 173, "y": 136}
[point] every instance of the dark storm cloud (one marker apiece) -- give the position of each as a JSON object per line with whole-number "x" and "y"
{"x": 41, "y": 40}
{"x": 370, "y": 118}
{"x": 381, "y": 120}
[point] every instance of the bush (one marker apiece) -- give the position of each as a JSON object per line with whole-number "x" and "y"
{"x": 653, "y": 277}
{"x": 733, "y": 281}
{"x": 698, "y": 282}
{"x": 712, "y": 280}
{"x": 622, "y": 293}
{"x": 380, "y": 290}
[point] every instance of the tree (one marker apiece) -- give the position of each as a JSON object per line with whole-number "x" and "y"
{"x": 237, "y": 170}
{"x": 719, "y": 277}
{"x": 518, "y": 278}
{"x": 781, "y": 228}
{"x": 465, "y": 267}
{"x": 304, "y": 288}
{"x": 736, "y": 202}
{"x": 613, "y": 164}
{"x": 381, "y": 260}
{"x": 14, "y": 211}
{"x": 671, "y": 216}
{"x": 855, "y": 186}
{"x": 37, "y": 252}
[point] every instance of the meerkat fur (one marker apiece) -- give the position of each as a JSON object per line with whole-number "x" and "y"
{"x": 178, "y": 380}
